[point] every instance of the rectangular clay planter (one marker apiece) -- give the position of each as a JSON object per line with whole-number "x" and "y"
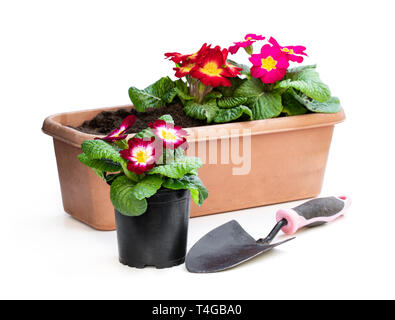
{"x": 288, "y": 159}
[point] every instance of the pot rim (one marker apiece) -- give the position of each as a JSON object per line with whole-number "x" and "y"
{"x": 58, "y": 125}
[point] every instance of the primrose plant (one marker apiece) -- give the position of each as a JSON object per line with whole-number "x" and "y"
{"x": 137, "y": 168}
{"x": 214, "y": 88}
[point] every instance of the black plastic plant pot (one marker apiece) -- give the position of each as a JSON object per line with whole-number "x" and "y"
{"x": 159, "y": 236}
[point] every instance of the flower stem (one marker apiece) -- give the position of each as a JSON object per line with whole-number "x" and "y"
{"x": 122, "y": 144}
{"x": 131, "y": 175}
{"x": 203, "y": 91}
{"x": 164, "y": 156}
{"x": 193, "y": 87}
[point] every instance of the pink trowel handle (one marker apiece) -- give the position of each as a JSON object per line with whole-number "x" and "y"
{"x": 313, "y": 213}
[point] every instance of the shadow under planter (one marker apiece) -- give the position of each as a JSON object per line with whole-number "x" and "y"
{"x": 285, "y": 160}
{"x": 158, "y": 237}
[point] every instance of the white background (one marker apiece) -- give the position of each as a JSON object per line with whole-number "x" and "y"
{"x": 59, "y": 56}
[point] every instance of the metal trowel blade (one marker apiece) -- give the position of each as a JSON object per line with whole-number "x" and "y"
{"x": 224, "y": 247}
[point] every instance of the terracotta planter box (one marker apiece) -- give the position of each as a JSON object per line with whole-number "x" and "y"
{"x": 287, "y": 162}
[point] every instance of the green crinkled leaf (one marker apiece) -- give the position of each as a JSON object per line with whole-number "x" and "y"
{"x": 99, "y": 149}
{"x": 293, "y": 73}
{"x": 104, "y": 165}
{"x": 177, "y": 169}
{"x": 212, "y": 95}
{"x": 291, "y": 106}
{"x": 194, "y": 172}
{"x": 145, "y": 133}
{"x": 168, "y": 118}
{"x": 199, "y": 193}
{"x": 230, "y": 102}
{"x": 245, "y": 70}
{"x": 267, "y": 106}
{"x": 169, "y": 96}
{"x": 227, "y": 115}
{"x": 131, "y": 175}
{"x": 315, "y": 90}
{"x": 123, "y": 198}
{"x": 251, "y": 89}
{"x": 156, "y": 95}
{"x": 306, "y": 80}
{"x": 122, "y": 144}
{"x": 179, "y": 152}
{"x": 167, "y": 156}
{"x": 111, "y": 177}
{"x": 147, "y": 187}
{"x": 101, "y": 174}
{"x": 181, "y": 85}
{"x": 182, "y": 91}
{"x": 229, "y": 91}
{"x": 183, "y": 96}
{"x": 206, "y": 111}
{"x": 331, "y": 106}
{"x": 264, "y": 105}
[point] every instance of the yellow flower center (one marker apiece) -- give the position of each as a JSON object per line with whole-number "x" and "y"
{"x": 289, "y": 51}
{"x": 247, "y": 39}
{"x": 269, "y": 63}
{"x": 211, "y": 68}
{"x": 188, "y": 67}
{"x": 118, "y": 133}
{"x": 168, "y": 135}
{"x": 193, "y": 55}
{"x": 142, "y": 156}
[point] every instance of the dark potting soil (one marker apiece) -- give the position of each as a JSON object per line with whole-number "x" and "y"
{"x": 106, "y": 121}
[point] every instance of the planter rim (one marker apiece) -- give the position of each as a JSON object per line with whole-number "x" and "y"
{"x": 57, "y": 125}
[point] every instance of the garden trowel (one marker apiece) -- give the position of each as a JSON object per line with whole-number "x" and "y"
{"x": 230, "y": 245}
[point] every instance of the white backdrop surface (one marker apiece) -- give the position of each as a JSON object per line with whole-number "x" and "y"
{"x": 61, "y": 56}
